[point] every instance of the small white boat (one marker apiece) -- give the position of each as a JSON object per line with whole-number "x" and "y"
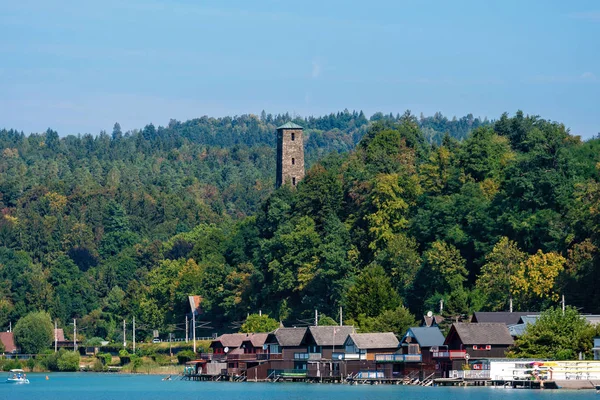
{"x": 17, "y": 376}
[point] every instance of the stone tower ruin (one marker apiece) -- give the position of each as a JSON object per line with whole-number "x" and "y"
{"x": 290, "y": 155}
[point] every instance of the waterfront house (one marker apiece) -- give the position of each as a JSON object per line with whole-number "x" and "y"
{"x": 323, "y": 341}
{"x": 8, "y": 341}
{"x": 471, "y": 341}
{"x": 287, "y": 342}
{"x": 481, "y": 340}
{"x": 248, "y": 355}
{"x": 226, "y": 343}
{"x": 420, "y": 341}
{"x": 365, "y": 346}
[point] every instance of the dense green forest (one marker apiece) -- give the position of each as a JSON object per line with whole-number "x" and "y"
{"x": 395, "y": 214}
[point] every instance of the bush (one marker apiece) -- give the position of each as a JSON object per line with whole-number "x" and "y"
{"x": 50, "y": 361}
{"x": 162, "y": 359}
{"x": 104, "y": 358}
{"x": 136, "y": 362}
{"x": 185, "y": 356}
{"x": 98, "y": 366}
{"x": 124, "y": 356}
{"x": 31, "y": 364}
{"x": 68, "y": 361}
{"x": 11, "y": 364}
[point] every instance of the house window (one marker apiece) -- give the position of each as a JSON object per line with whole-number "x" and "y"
{"x": 293, "y": 136}
{"x": 293, "y": 161}
{"x": 293, "y": 181}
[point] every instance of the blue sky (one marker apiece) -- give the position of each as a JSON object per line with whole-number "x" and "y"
{"x": 79, "y": 66}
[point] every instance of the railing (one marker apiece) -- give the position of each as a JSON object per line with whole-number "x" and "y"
{"x": 348, "y": 356}
{"x": 449, "y": 354}
{"x": 243, "y": 357}
{"x": 269, "y": 356}
{"x": 213, "y": 356}
{"x": 470, "y": 374}
{"x": 398, "y": 358}
{"x": 307, "y": 356}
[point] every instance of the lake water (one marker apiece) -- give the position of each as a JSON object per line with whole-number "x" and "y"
{"x": 89, "y": 386}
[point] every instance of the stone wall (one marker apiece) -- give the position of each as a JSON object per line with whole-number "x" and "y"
{"x": 290, "y": 157}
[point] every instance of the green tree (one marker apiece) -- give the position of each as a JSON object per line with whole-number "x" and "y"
{"x": 324, "y": 320}
{"x": 500, "y": 273}
{"x": 33, "y": 332}
{"x": 556, "y": 335}
{"x": 372, "y": 293}
{"x": 259, "y": 323}
{"x": 397, "y": 320}
{"x": 447, "y": 267}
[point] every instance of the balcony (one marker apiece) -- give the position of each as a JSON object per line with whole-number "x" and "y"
{"x": 397, "y": 358}
{"x": 348, "y": 356}
{"x": 307, "y": 356}
{"x": 451, "y": 354}
{"x": 243, "y": 357}
{"x": 269, "y": 356}
{"x": 213, "y": 357}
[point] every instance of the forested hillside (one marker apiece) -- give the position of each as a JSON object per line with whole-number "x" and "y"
{"x": 106, "y": 227}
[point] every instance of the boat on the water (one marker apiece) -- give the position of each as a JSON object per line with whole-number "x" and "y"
{"x": 17, "y": 376}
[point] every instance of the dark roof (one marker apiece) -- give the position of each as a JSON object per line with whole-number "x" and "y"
{"x": 385, "y": 340}
{"x": 232, "y": 340}
{"x": 426, "y": 337}
{"x": 8, "y": 340}
{"x": 324, "y": 335}
{"x": 257, "y": 339}
{"x": 481, "y": 333}
{"x": 507, "y": 318}
{"x": 429, "y": 321}
{"x": 290, "y": 125}
{"x": 287, "y": 336}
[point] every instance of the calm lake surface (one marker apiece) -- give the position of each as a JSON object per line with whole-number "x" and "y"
{"x": 89, "y": 386}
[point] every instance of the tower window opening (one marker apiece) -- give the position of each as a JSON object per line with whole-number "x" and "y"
{"x": 293, "y": 136}
{"x": 293, "y": 181}
{"x": 293, "y": 161}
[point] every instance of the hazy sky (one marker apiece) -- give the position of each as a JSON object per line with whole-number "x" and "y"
{"x": 79, "y": 66}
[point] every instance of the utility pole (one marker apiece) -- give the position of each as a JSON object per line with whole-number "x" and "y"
{"x": 187, "y": 329}
{"x": 55, "y": 337}
{"x": 563, "y": 304}
{"x": 124, "y": 335}
{"x": 316, "y": 318}
{"x": 134, "y": 335}
{"x": 510, "y": 304}
{"x": 194, "y": 328}
{"x": 441, "y": 306}
{"x": 341, "y": 317}
{"x": 74, "y": 334}
{"x": 10, "y": 326}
